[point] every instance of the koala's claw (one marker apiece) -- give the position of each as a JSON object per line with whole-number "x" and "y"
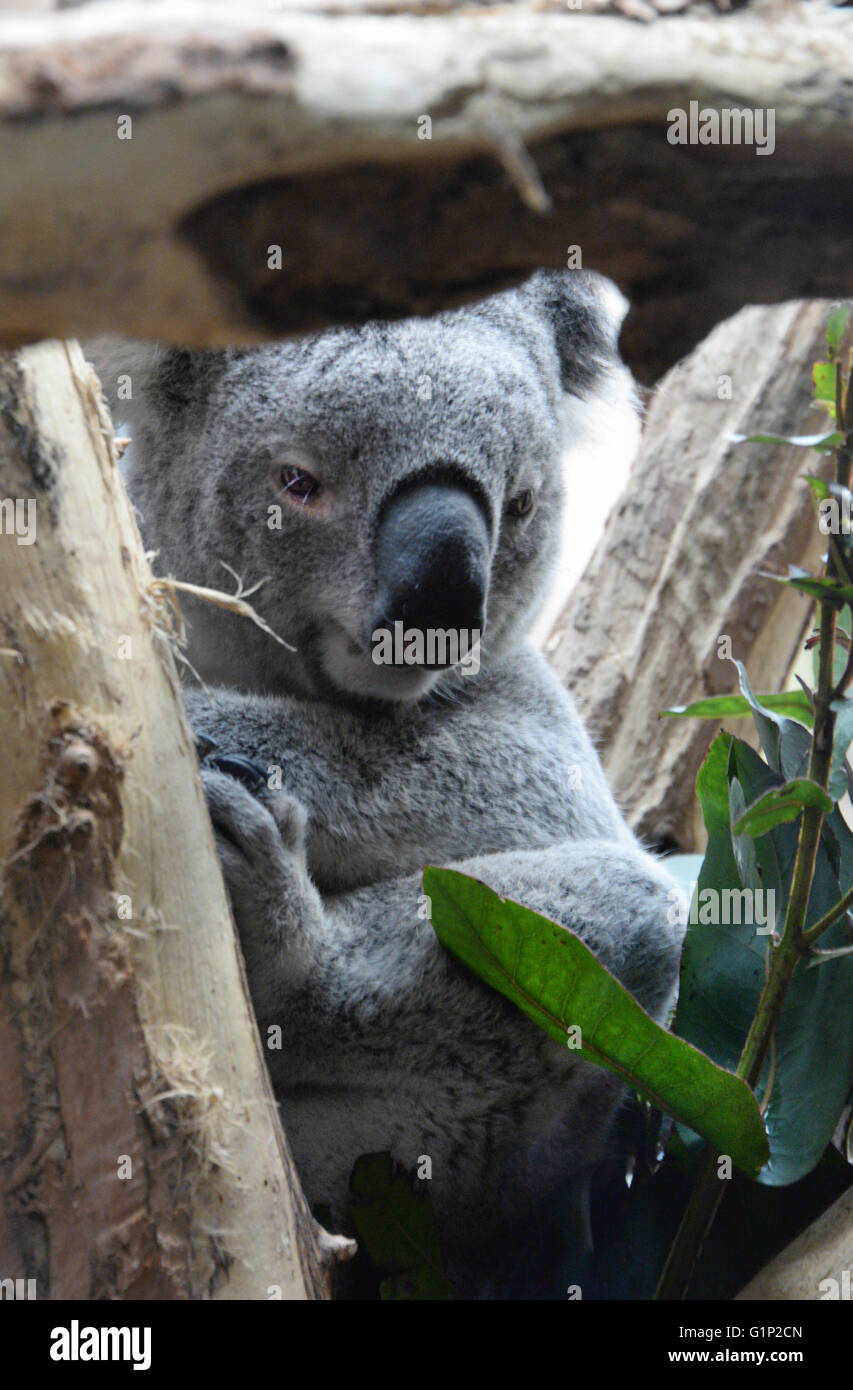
{"x": 242, "y": 769}
{"x": 204, "y": 746}
{"x": 252, "y": 776}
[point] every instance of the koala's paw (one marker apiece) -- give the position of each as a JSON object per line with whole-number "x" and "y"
{"x": 261, "y": 848}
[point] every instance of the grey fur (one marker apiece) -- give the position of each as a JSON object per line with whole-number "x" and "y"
{"x": 388, "y": 1043}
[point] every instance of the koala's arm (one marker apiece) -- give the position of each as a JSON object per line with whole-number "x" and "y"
{"x": 506, "y": 764}
{"x": 389, "y": 1044}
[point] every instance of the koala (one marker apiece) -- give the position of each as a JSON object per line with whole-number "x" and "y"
{"x": 402, "y": 477}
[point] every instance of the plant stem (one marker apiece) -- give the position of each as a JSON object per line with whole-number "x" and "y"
{"x": 843, "y": 905}
{"x": 695, "y": 1225}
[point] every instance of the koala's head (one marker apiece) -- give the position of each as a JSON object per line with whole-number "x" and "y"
{"x": 387, "y": 483}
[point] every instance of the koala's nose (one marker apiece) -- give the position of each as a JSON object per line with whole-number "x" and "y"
{"x": 432, "y": 561}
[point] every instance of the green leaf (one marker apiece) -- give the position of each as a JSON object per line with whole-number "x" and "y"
{"x": 839, "y": 843}
{"x": 823, "y": 378}
{"x": 746, "y": 857}
{"x": 554, "y": 978}
{"x": 835, "y": 326}
{"x": 394, "y": 1221}
{"x": 841, "y": 742}
{"x": 821, "y": 957}
{"x": 824, "y": 443}
{"x": 782, "y": 804}
{"x": 824, "y": 590}
{"x": 712, "y": 789}
{"x": 794, "y": 703}
{"x": 786, "y": 744}
{"x": 724, "y": 967}
{"x": 819, "y": 486}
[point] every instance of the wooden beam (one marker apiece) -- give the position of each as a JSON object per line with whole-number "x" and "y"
{"x": 253, "y": 128}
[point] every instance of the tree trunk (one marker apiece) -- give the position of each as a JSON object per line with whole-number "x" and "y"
{"x": 141, "y": 1154}
{"x": 680, "y": 564}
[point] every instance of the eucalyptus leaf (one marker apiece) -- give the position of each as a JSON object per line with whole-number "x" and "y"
{"x": 786, "y": 744}
{"x": 841, "y": 742}
{"x": 394, "y": 1221}
{"x": 784, "y": 803}
{"x": 831, "y": 591}
{"x": 838, "y": 839}
{"x": 824, "y": 443}
{"x": 554, "y": 978}
{"x": 794, "y": 703}
{"x": 818, "y": 485}
{"x": 823, "y": 378}
{"x": 744, "y": 850}
{"x": 835, "y": 326}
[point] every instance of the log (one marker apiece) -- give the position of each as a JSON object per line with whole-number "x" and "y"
{"x": 141, "y": 1154}
{"x": 153, "y": 153}
{"x": 681, "y": 559}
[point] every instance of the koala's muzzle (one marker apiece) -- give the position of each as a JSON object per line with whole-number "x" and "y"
{"x": 433, "y": 553}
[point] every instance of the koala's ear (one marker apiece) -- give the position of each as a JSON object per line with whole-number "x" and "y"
{"x": 125, "y": 370}
{"x": 141, "y": 380}
{"x": 585, "y": 313}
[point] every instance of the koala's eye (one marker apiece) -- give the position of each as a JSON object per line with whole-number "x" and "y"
{"x": 521, "y": 504}
{"x": 299, "y": 484}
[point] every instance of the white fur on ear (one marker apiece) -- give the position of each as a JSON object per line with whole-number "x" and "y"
{"x": 125, "y": 368}
{"x": 584, "y": 312}
{"x": 613, "y": 301}
{"x": 602, "y": 438}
